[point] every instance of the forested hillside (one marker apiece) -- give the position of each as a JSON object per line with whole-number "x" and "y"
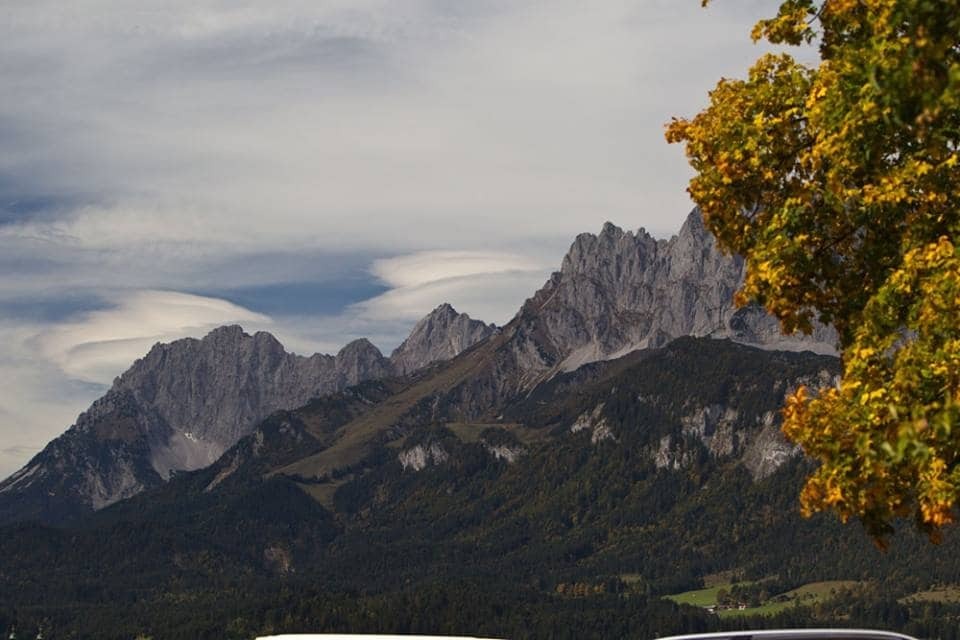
{"x": 630, "y": 480}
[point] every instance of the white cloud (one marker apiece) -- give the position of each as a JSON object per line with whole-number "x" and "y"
{"x": 487, "y": 285}
{"x": 209, "y": 129}
{"x": 425, "y": 267}
{"x": 201, "y": 145}
{"x": 38, "y": 401}
{"x": 101, "y": 344}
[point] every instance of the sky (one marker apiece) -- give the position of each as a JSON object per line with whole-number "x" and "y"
{"x": 323, "y": 170}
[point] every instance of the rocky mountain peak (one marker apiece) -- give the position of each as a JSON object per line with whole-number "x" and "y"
{"x": 226, "y": 332}
{"x": 611, "y": 230}
{"x": 694, "y": 226}
{"x": 360, "y": 360}
{"x": 440, "y": 335}
{"x": 608, "y": 253}
{"x": 620, "y": 291}
{"x": 443, "y": 310}
{"x": 359, "y": 348}
{"x": 177, "y": 409}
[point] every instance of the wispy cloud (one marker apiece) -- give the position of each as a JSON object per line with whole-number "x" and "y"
{"x": 100, "y": 344}
{"x": 239, "y": 148}
{"x": 198, "y": 130}
{"x": 487, "y": 285}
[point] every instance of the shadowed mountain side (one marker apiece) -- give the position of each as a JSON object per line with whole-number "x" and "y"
{"x": 615, "y": 293}
{"x": 183, "y": 404}
{"x": 646, "y": 474}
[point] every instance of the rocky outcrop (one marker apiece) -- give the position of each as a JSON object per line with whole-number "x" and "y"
{"x": 182, "y": 405}
{"x": 419, "y": 457}
{"x": 617, "y": 292}
{"x": 177, "y": 409}
{"x": 441, "y": 335}
{"x": 620, "y": 291}
{"x": 502, "y": 444}
{"x": 595, "y": 423}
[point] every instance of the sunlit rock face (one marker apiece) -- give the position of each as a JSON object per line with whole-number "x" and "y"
{"x": 177, "y": 409}
{"x": 616, "y": 292}
{"x": 620, "y": 291}
{"x": 441, "y": 335}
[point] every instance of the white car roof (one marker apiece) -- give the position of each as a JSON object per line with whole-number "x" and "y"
{"x": 796, "y": 634}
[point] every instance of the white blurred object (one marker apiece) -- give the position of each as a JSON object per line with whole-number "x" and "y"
{"x": 796, "y": 634}
{"x": 349, "y": 636}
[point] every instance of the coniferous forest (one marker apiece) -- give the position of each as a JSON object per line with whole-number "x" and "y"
{"x": 578, "y": 537}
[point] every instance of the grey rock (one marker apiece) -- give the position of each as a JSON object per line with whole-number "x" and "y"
{"x": 768, "y": 451}
{"x": 198, "y": 397}
{"x": 617, "y": 292}
{"x": 441, "y": 335}
{"x": 178, "y": 409}
{"x": 594, "y": 422}
{"x": 182, "y": 405}
{"x": 419, "y": 457}
{"x": 505, "y": 453}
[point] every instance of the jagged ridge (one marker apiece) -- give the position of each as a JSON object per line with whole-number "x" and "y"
{"x": 184, "y": 403}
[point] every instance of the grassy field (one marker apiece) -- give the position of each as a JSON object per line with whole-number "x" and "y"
{"x": 805, "y": 595}
{"x": 355, "y": 439}
{"x": 947, "y": 593}
{"x": 470, "y": 432}
{"x": 701, "y": 597}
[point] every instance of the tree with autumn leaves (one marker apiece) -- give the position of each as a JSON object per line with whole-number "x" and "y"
{"x": 839, "y": 184}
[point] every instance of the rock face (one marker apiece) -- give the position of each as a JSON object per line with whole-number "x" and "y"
{"x": 441, "y": 335}
{"x": 617, "y": 292}
{"x": 176, "y": 409}
{"x": 420, "y": 456}
{"x": 198, "y": 397}
{"x": 181, "y": 406}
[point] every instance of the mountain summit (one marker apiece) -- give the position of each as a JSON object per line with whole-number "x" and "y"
{"x": 619, "y": 291}
{"x": 441, "y": 335}
{"x": 183, "y": 404}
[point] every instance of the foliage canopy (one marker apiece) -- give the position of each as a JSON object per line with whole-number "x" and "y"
{"x": 839, "y": 185}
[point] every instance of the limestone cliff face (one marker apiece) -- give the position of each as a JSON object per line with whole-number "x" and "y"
{"x": 441, "y": 335}
{"x": 617, "y": 292}
{"x": 198, "y": 397}
{"x": 178, "y": 409}
{"x": 182, "y": 405}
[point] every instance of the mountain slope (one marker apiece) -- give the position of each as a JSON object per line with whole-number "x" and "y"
{"x": 615, "y": 292}
{"x": 569, "y": 520}
{"x": 183, "y": 404}
{"x": 439, "y": 336}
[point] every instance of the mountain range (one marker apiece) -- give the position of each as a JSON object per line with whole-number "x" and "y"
{"x": 182, "y": 405}
{"x": 616, "y": 442}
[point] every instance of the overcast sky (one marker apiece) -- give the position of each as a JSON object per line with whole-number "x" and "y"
{"x": 321, "y": 169}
